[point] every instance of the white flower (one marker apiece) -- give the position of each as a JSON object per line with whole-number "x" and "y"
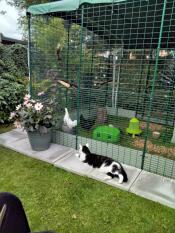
{"x": 12, "y": 114}
{"x": 18, "y": 107}
{"x": 17, "y": 124}
{"x": 33, "y": 101}
{"x": 38, "y": 106}
{"x": 29, "y": 105}
{"x": 26, "y": 97}
{"x": 41, "y": 93}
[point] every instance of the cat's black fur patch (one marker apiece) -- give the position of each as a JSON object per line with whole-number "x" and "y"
{"x": 108, "y": 161}
{"x": 112, "y": 175}
{"x": 96, "y": 161}
{"x": 114, "y": 168}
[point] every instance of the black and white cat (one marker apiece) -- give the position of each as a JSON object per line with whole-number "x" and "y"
{"x": 104, "y": 164}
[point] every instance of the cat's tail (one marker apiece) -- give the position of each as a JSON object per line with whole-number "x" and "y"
{"x": 125, "y": 177}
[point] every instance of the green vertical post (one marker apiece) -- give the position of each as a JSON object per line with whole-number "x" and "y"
{"x": 104, "y": 104}
{"x": 91, "y": 73}
{"x": 171, "y": 89}
{"x": 147, "y": 81}
{"x": 168, "y": 112}
{"x": 29, "y": 53}
{"x": 79, "y": 74}
{"x": 153, "y": 83}
{"x": 67, "y": 60}
{"x": 140, "y": 81}
{"x": 142, "y": 107}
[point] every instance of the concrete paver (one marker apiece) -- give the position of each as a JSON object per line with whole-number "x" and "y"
{"x": 155, "y": 187}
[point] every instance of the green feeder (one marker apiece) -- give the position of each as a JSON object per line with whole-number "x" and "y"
{"x": 106, "y": 134}
{"x": 134, "y": 127}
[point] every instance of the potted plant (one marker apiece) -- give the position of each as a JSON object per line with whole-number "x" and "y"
{"x": 36, "y": 117}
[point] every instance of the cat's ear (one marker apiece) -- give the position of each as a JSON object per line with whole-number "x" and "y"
{"x": 87, "y": 144}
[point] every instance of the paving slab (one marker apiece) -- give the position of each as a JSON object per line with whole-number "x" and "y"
{"x": 22, "y": 146}
{"x": 54, "y": 153}
{"x": 155, "y": 187}
{"x": 20, "y": 130}
{"x": 132, "y": 173}
{"x": 12, "y": 136}
{"x": 73, "y": 164}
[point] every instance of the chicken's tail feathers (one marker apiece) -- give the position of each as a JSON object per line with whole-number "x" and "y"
{"x": 74, "y": 123}
{"x": 65, "y": 119}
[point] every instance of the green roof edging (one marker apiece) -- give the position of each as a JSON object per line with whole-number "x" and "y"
{"x": 64, "y": 6}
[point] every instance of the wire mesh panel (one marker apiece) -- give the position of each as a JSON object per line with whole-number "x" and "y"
{"x": 54, "y": 63}
{"x": 112, "y": 66}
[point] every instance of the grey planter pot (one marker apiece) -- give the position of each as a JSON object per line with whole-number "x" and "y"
{"x": 39, "y": 141}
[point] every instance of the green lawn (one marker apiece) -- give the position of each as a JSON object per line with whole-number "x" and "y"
{"x": 67, "y": 203}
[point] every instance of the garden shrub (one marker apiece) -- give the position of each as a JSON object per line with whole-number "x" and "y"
{"x": 13, "y": 80}
{"x": 13, "y": 60}
{"x": 19, "y": 55}
{"x": 11, "y": 95}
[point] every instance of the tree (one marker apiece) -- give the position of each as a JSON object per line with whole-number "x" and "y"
{"x": 24, "y": 4}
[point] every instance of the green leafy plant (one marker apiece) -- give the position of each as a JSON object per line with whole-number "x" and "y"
{"x": 11, "y": 94}
{"x": 13, "y": 61}
{"x": 34, "y": 115}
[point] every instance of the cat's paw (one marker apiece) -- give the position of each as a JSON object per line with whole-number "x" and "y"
{"x": 107, "y": 178}
{"x": 77, "y": 155}
{"x": 120, "y": 179}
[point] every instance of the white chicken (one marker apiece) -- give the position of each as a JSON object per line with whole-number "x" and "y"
{"x": 67, "y": 120}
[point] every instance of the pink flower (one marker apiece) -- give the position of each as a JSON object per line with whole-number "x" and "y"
{"x": 12, "y": 115}
{"x": 41, "y": 93}
{"x": 27, "y": 97}
{"x": 17, "y": 124}
{"x": 25, "y": 103}
{"x": 18, "y": 107}
{"x": 38, "y": 106}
